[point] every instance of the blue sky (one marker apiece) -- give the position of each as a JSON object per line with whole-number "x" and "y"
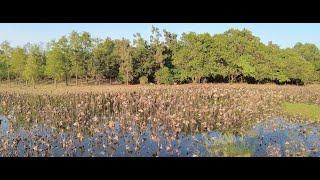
{"x": 283, "y": 34}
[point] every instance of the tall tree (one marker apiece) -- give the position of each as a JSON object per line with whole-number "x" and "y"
{"x": 123, "y": 51}
{"x": 235, "y": 55}
{"x": 170, "y": 47}
{"x": 311, "y": 53}
{"x": 142, "y": 62}
{"x": 80, "y": 52}
{"x": 191, "y": 56}
{"x": 157, "y": 47}
{"x": 58, "y": 64}
{"x": 33, "y": 68}
{"x": 87, "y": 45}
{"x": 18, "y": 61}
{"x": 104, "y": 63}
{"x": 5, "y": 53}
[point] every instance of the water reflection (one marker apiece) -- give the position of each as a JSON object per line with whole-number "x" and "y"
{"x": 3, "y": 124}
{"x": 291, "y": 139}
{"x": 275, "y": 137}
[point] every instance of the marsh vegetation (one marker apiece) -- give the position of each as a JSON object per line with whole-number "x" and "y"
{"x": 176, "y": 120}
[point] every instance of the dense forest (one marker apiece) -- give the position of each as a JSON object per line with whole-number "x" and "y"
{"x": 233, "y": 56}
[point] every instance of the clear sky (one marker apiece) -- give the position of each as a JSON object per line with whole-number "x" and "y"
{"x": 283, "y": 34}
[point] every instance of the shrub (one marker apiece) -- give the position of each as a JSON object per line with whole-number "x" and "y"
{"x": 164, "y": 76}
{"x": 143, "y": 80}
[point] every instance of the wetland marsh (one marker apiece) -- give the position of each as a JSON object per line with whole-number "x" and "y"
{"x": 154, "y": 121}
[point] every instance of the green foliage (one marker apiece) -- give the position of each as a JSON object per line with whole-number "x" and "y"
{"x": 55, "y": 64}
{"x": 143, "y": 64}
{"x": 143, "y": 80}
{"x": 228, "y": 145}
{"x": 3, "y": 69}
{"x": 5, "y": 60}
{"x": 164, "y": 76}
{"x": 246, "y": 64}
{"x": 18, "y": 61}
{"x": 191, "y": 56}
{"x": 310, "y": 53}
{"x": 104, "y": 63}
{"x": 310, "y": 112}
{"x": 289, "y": 66}
{"x": 124, "y": 53}
{"x": 80, "y": 48}
{"x": 31, "y": 72}
{"x": 232, "y": 56}
{"x": 33, "y": 68}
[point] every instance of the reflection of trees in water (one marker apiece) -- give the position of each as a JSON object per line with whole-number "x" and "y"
{"x": 3, "y": 124}
{"x": 159, "y": 122}
{"x": 128, "y": 139}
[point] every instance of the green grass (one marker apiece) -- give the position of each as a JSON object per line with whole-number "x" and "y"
{"x": 307, "y": 111}
{"x": 228, "y": 146}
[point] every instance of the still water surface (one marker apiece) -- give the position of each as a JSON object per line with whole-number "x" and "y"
{"x": 275, "y": 137}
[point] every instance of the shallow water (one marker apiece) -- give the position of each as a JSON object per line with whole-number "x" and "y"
{"x": 3, "y": 124}
{"x": 275, "y": 137}
{"x": 289, "y": 138}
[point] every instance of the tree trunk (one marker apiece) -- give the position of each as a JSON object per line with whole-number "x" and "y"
{"x": 66, "y": 76}
{"x": 76, "y": 74}
{"x": 33, "y": 83}
{"x": 55, "y": 82}
{"x": 127, "y": 78}
{"x": 76, "y": 79}
{"x": 9, "y": 78}
{"x": 194, "y": 80}
{"x": 110, "y": 81}
{"x": 232, "y": 78}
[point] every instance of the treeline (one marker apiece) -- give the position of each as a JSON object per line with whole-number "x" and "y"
{"x": 233, "y": 56}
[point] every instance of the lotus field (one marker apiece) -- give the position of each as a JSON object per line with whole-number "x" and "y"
{"x": 160, "y": 120}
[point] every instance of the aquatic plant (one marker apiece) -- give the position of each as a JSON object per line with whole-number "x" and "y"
{"x": 228, "y": 145}
{"x": 98, "y": 120}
